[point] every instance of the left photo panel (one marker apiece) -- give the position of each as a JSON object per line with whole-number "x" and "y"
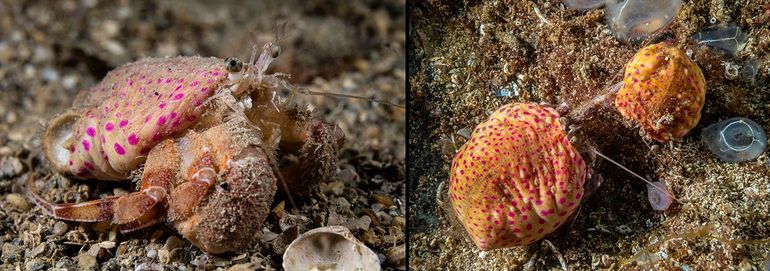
{"x": 143, "y": 135}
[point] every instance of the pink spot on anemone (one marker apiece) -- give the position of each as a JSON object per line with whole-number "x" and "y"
{"x": 119, "y": 149}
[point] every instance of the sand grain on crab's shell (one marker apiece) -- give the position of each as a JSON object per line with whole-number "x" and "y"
{"x": 517, "y": 179}
{"x": 136, "y": 106}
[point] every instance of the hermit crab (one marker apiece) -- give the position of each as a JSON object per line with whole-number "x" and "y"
{"x": 203, "y": 132}
{"x": 518, "y": 177}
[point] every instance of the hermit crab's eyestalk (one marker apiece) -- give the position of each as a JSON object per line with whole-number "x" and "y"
{"x": 233, "y": 65}
{"x": 234, "y": 69}
{"x": 275, "y": 50}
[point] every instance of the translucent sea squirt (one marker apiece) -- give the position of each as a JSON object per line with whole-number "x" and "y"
{"x": 633, "y": 20}
{"x": 659, "y": 200}
{"x": 517, "y": 179}
{"x": 663, "y": 92}
{"x": 735, "y": 140}
{"x": 583, "y": 4}
{"x": 729, "y": 38}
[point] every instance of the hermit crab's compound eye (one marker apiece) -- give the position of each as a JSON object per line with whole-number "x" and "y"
{"x": 233, "y": 65}
{"x": 275, "y": 50}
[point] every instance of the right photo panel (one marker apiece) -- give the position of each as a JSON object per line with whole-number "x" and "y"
{"x": 588, "y": 135}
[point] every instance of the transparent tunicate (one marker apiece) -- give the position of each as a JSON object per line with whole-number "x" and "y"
{"x": 633, "y": 20}
{"x": 727, "y": 38}
{"x": 735, "y": 140}
{"x": 658, "y": 196}
{"x": 583, "y": 4}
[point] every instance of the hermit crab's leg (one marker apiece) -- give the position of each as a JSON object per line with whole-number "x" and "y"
{"x": 158, "y": 173}
{"x": 317, "y": 154}
{"x": 92, "y": 211}
{"x": 149, "y": 218}
{"x": 199, "y": 169}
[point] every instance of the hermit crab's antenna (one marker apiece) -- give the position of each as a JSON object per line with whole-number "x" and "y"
{"x": 307, "y": 91}
{"x": 634, "y": 173}
{"x": 259, "y": 62}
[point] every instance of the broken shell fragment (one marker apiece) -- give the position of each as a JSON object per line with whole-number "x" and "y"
{"x": 329, "y": 248}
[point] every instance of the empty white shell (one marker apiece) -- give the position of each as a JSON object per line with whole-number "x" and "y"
{"x": 329, "y": 248}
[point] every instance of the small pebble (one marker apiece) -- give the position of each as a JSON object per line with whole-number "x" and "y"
{"x": 69, "y": 81}
{"x": 155, "y": 235}
{"x": 383, "y": 199}
{"x": 35, "y": 265}
{"x": 10, "y": 253}
{"x": 348, "y": 175}
{"x": 97, "y": 251}
{"x": 6, "y": 52}
{"x": 244, "y": 267}
{"x": 384, "y": 218}
{"x": 10, "y": 167}
{"x": 399, "y": 221}
{"x": 49, "y": 75}
{"x": 164, "y": 256}
{"x": 336, "y": 188}
{"x": 172, "y": 243}
{"x": 377, "y": 207}
{"x": 361, "y": 223}
{"x": 290, "y": 220}
{"x": 268, "y": 235}
{"x": 18, "y": 201}
{"x": 39, "y": 249}
{"x": 658, "y": 196}
{"x": 147, "y": 267}
{"x": 119, "y": 191}
{"x": 60, "y": 228}
{"x": 152, "y": 253}
{"x": 396, "y": 256}
{"x": 86, "y": 261}
{"x": 122, "y": 249}
{"x": 200, "y": 261}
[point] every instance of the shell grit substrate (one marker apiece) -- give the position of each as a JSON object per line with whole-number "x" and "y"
{"x": 517, "y": 179}
{"x": 663, "y": 92}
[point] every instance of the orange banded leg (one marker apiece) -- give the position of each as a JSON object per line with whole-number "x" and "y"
{"x": 159, "y": 171}
{"x": 199, "y": 171}
{"x": 149, "y": 218}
